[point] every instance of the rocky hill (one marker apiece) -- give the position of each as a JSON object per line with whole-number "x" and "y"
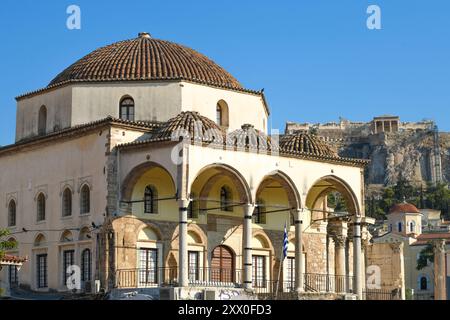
{"x": 415, "y": 150}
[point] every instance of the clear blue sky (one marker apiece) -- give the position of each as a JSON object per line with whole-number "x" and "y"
{"x": 315, "y": 58}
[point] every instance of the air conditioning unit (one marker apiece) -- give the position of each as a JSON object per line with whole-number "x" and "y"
{"x": 210, "y": 294}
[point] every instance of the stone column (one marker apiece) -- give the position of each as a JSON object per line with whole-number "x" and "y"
{"x": 440, "y": 276}
{"x": 298, "y": 250}
{"x": 247, "y": 246}
{"x": 339, "y": 261}
{"x": 182, "y": 244}
{"x": 357, "y": 257}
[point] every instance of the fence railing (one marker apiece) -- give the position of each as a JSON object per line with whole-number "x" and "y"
{"x": 223, "y": 277}
{"x": 380, "y": 294}
{"x": 154, "y": 277}
{"x": 314, "y": 282}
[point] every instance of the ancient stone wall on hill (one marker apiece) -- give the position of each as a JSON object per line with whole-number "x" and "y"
{"x": 411, "y": 151}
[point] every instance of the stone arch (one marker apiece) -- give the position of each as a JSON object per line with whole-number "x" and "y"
{"x": 332, "y": 183}
{"x": 197, "y": 232}
{"x": 264, "y": 239}
{"x": 133, "y": 176}
{"x": 286, "y": 182}
{"x": 171, "y": 261}
{"x": 151, "y": 226}
{"x": 84, "y": 234}
{"x": 40, "y": 240}
{"x": 66, "y": 236}
{"x": 224, "y": 170}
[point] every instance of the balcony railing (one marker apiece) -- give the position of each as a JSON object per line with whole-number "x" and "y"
{"x": 156, "y": 277}
{"x": 312, "y": 282}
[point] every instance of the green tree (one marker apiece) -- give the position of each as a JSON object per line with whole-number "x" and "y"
{"x": 426, "y": 255}
{"x": 4, "y": 243}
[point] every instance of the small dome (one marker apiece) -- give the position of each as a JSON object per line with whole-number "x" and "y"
{"x": 146, "y": 58}
{"x": 190, "y": 124}
{"x": 249, "y": 137}
{"x": 302, "y": 142}
{"x": 404, "y": 207}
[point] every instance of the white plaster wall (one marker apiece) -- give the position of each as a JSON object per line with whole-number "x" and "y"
{"x": 304, "y": 173}
{"x": 153, "y": 100}
{"x": 243, "y": 107}
{"x": 58, "y": 103}
{"x": 80, "y": 103}
{"x": 50, "y": 168}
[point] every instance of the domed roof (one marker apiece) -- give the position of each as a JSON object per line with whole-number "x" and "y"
{"x": 404, "y": 207}
{"x": 249, "y": 137}
{"x": 302, "y": 142}
{"x": 145, "y": 58}
{"x": 190, "y": 124}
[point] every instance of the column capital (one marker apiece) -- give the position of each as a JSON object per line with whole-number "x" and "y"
{"x": 439, "y": 246}
{"x": 339, "y": 240}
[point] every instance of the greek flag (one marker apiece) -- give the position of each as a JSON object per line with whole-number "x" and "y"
{"x": 285, "y": 242}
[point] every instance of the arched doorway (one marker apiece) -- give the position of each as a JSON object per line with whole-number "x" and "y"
{"x": 222, "y": 264}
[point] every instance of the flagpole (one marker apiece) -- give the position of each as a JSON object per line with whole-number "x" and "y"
{"x": 279, "y": 273}
{"x": 281, "y": 260}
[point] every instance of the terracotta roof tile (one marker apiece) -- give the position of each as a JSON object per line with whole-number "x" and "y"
{"x": 403, "y": 207}
{"x": 302, "y": 142}
{"x": 12, "y": 259}
{"x": 145, "y": 58}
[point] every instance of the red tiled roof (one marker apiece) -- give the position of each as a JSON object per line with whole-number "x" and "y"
{"x": 12, "y": 259}
{"x": 425, "y": 238}
{"x": 145, "y": 58}
{"x": 404, "y": 208}
{"x": 302, "y": 142}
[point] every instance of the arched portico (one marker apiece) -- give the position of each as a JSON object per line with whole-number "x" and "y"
{"x": 341, "y": 221}
{"x": 223, "y": 193}
{"x": 149, "y": 188}
{"x": 278, "y": 202}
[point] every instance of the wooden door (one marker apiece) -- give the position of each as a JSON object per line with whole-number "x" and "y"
{"x": 222, "y": 264}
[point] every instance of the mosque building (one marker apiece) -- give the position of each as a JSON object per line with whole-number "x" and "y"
{"x": 149, "y": 166}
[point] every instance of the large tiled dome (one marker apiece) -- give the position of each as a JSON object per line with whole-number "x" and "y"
{"x": 145, "y": 58}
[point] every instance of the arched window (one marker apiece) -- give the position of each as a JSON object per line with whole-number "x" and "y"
{"x": 412, "y": 226}
{"x": 12, "y": 213}
{"x": 86, "y": 265}
{"x": 150, "y": 199}
{"x": 399, "y": 227}
{"x": 41, "y": 207}
{"x": 259, "y": 215}
{"x": 222, "y": 113}
{"x": 67, "y": 203}
{"x": 218, "y": 115}
{"x": 127, "y": 109}
{"x": 423, "y": 283}
{"x": 225, "y": 199}
{"x": 42, "y": 120}
{"x": 85, "y": 200}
